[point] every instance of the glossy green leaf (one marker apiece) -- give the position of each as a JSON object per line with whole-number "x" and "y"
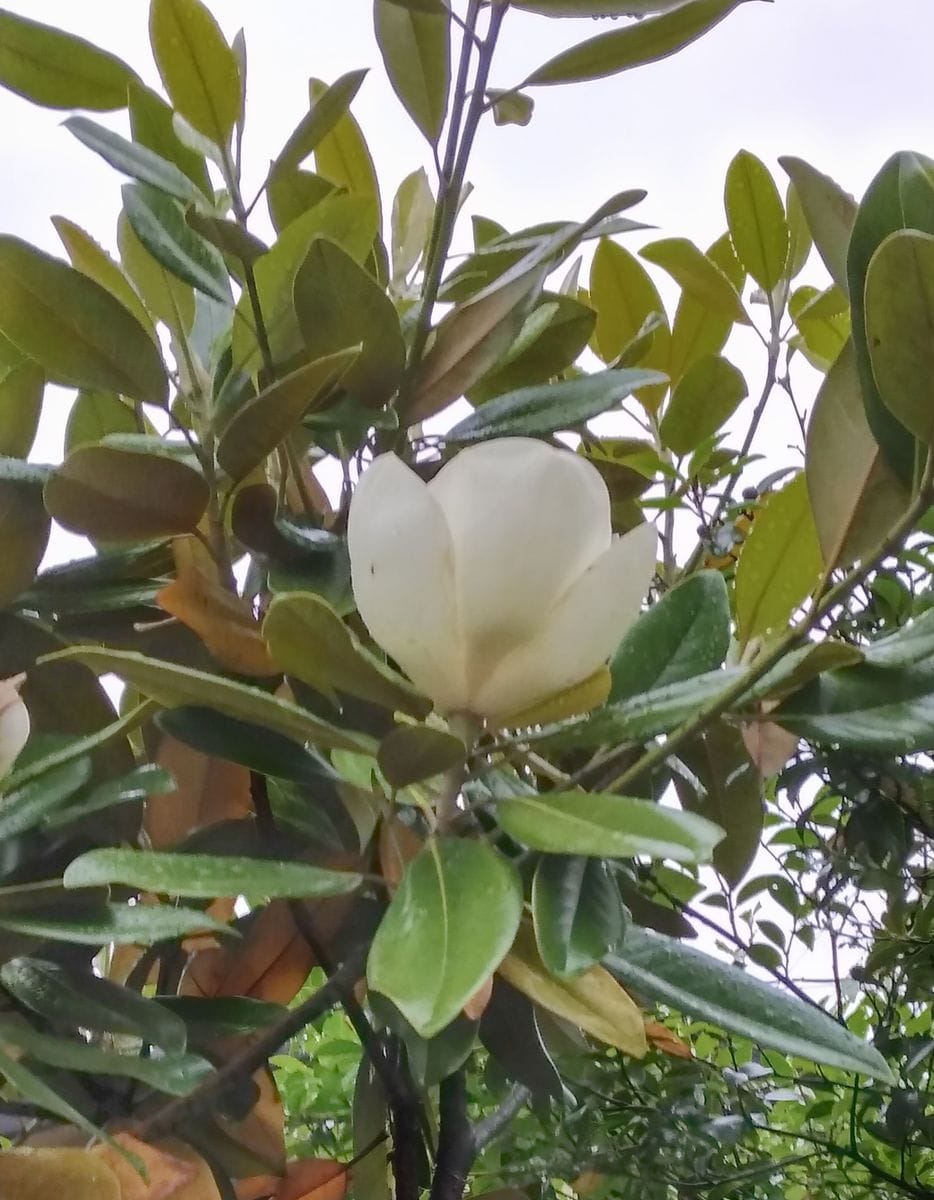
{"x": 137, "y": 785}
{"x": 695, "y": 330}
{"x": 151, "y": 123}
{"x": 801, "y": 241}
{"x": 703, "y": 400}
{"x": 173, "y": 686}
{"x": 227, "y": 236}
{"x": 829, "y": 211}
{"x": 291, "y": 193}
{"x": 724, "y": 787}
{"x": 684, "y": 634}
{"x": 159, "y": 223}
{"x": 323, "y": 114}
{"x": 21, "y": 390}
{"x": 855, "y": 495}
{"x": 32, "y": 1088}
{"x": 68, "y": 996}
{"x": 74, "y": 328}
{"x": 781, "y": 562}
{"x": 24, "y": 526}
{"x": 900, "y": 328}
{"x": 339, "y": 304}
{"x": 413, "y": 211}
{"x": 823, "y": 321}
{"x": 204, "y": 876}
{"x": 57, "y": 69}
{"x": 117, "y": 924}
{"x": 125, "y": 495}
{"x": 92, "y": 260}
{"x": 211, "y": 1017}
{"x": 756, "y": 217}
{"x": 447, "y": 928}
{"x": 138, "y": 162}
{"x": 606, "y": 826}
{"x": 414, "y": 752}
{"x": 577, "y": 912}
{"x": 308, "y": 639}
{"x": 907, "y": 646}
{"x": 544, "y": 408}
{"x": 25, "y": 807}
{"x": 96, "y": 415}
{"x": 176, "y": 1074}
{"x": 696, "y": 984}
{"x": 165, "y": 297}
{"x": 197, "y": 66}
{"x": 416, "y": 52}
{"x": 343, "y": 157}
{"x": 647, "y": 41}
{"x": 697, "y": 276}
{"x": 265, "y": 420}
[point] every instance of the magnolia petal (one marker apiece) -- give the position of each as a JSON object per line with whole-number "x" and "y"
{"x": 526, "y": 521}
{"x": 14, "y": 722}
{"x": 402, "y": 572}
{"x": 579, "y": 634}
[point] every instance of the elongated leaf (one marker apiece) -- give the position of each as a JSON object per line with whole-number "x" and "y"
{"x": 694, "y": 983}
{"x": 696, "y": 331}
{"x": 578, "y": 913}
{"x": 448, "y": 926}
{"x": 703, "y": 400}
{"x": 123, "y": 495}
{"x": 151, "y": 123}
{"x": 509, "y": 1030}
{"x": 95, "y": 416}
{"x": 221, "y": 1016}
{"x": 594, "y": 8}
{"x": 32, "y": 1088}
{"x": 317, "y": 123}
{"x": 74, "y": 328}
{"x": 172, "y": 686}
{"x": 197, "y": 66}
{"x": 416, "y": 50}
{"x": 648, "y": 41}
{"x": 92, "y": 260}
{"x": 756, "y": 216}
{"x": 138, "y": 784}
{"x": 21, "y": 390}
{"x": 685, "y": 633}
{"x": 205, "y": 876}
{"x": 165, "y": 297}
{"x": 57, "y": 69}
{"x": 909, "y": 645}
{"x": 697, "y": 276}
{"x": 412, "y": 213}
{"x": 338, "y": 304}
{"x": 159, "y": 223}
{"x": 139, "y": 162}
{"x": 308, "y": 639}
{"x": 829, "y": 212}
{"x": 343, "y": 157}
{"x": 24, "y": 808}
{"x": 780, "y": 564}
{"x": 606, "y": 825}
{"x": 260, "y": 425}
{"x": 24, "y": 527}
{"x": 120, "y": 924}
{"x": 855, "y": 495}
{"x": 546, "y": 407}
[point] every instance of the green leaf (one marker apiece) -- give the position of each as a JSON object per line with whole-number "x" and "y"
{"x": 308, "y": 639}
{"x": 24, "y": 808}
{"x": 577, "y": 912}
{"x": 325, "y": 111}
{"x": 509, "y": 1030}
{"x": 197, "y": 66}
{"x": 151, "y": 123}
{"x": 227, "y": 236}
{"x": 447, "y": 928}
{"x": 909, "y": 645}
{"x": 416, "y": 51}
{"x": 57, "y": 69}
{"x": 68, "y": 996}
{"x": 546, "y": 407}
{"x": 74, "y": 328}
{"x": 781, "y": 562}
{"x": 212, "y": 1017}
{"x": 700, "y": 986}
{"x": 829, "y": 212}
{"x": 36, "y": 1090}
{"x": 119, "y": 924}
{"x": 138, "y": 162}
{"x": 900, "y": 328}
{"x": 173, "y": 686}
{"x": 725, "y": 788}
{"x": 756, "y": 217}
{"x": 260, "y": 425}
{"x": 413, "y": 211}
{"x": 823, "y": 321}
{"x": 510, "y": 108}
{"x": 138, "y": 784}
{"x": 204, "y": 876}
{"x": 339, "y": 304}
{"x": 685, "y": 633}
{"x": 855, "y": 495}
{"x": 703, "y": 400}
{"x": 697, "y": 275}
{"x": 291, "y": 193}
{"x": 606, "y": 826}
{"x": 594, "y": 8}
{"x": 96, "y": 415}
{"x": 159, "y": 223}
{"x": 124, "y": 495}
{"x": 647, "y": 41}
{"x": 696, "y": 331}
{"x": 21, "y": 390}
{"x": 24, "y": 527}
{"x": 414, "y": 752}
{"x": 164, "y": 296}
{"x": 92, "y": 260}
{"x": 342, "y": 155}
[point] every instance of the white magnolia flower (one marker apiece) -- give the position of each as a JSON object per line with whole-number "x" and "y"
{"x": 498, "y": 584}
{"x": 14, "y": 722}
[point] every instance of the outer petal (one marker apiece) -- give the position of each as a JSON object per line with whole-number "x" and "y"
{"x": 14, "y": 725}
{"x": 403, "y": 578}
{"x": 580, "y": 633}
{"x": 526, "y": 520}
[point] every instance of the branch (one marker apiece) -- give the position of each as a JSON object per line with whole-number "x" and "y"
{"x": 457, "y": 1146}
{"x": 492, "y": 1126}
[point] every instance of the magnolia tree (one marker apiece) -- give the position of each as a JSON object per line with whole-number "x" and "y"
{"x": 453, "y": 740}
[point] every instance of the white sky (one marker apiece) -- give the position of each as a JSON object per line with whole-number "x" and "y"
{"x": 841, "y": 83}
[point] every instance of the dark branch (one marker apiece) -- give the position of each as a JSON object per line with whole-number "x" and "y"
{"x": 491, "y": 1127}
{"x": 456, "y": 1144}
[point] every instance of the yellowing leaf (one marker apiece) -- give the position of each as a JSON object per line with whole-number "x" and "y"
{"x": 207, "y": 790}
{"x": 167, "y": 1174}
{"x": 43, "y": 1173}
{"x": 661, "y": 1038}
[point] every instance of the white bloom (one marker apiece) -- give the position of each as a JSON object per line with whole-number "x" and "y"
{"x": 498, "y": 584}
{"x": 14, "y": 722}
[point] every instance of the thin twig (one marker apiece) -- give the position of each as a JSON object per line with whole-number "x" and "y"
{"x": 490, "y": 1127}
